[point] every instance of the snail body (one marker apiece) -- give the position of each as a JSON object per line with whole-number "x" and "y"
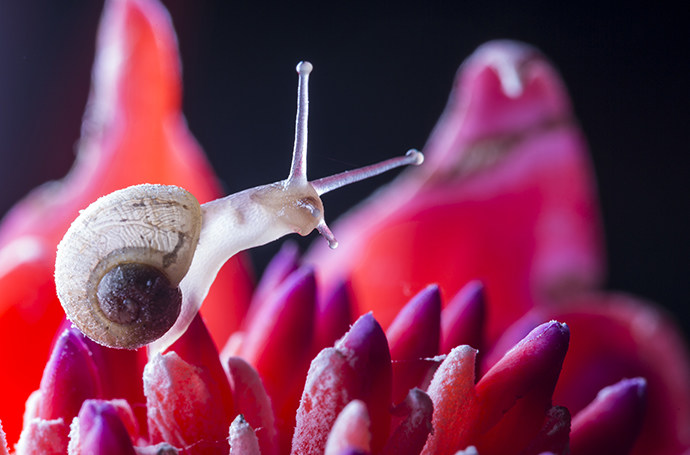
{"x": 135, "y": 266}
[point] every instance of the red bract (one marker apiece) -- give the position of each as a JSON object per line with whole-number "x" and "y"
{"x": 505, "y": 196}
{"x": 133, "y": 132}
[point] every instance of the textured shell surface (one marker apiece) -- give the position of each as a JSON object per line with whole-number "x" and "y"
{"x": 158, "y": 225}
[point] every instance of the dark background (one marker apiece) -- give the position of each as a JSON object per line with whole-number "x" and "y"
{"x": 382, "y": 76}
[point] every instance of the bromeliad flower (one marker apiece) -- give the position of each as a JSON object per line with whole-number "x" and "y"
{"x": 504, "y": 198}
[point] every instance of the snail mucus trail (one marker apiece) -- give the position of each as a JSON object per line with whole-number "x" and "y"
{"x": 135, "y": 266}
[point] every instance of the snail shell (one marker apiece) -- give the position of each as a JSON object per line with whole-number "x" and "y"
{"x": 118, "y": 267}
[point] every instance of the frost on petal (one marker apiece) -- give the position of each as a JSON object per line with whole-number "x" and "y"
{"x": 43, "y": 437}
{"x": 3, "y": 441}
{"x": 328, "y": 389}
{"x": 454, "y": 400}
{"x": 350, "y": 430}
{"x": 243, "y": 441}
{"x": 414, "y": 423}
{"x": 184, "y": 405}
{"x": 162, "y": 448}
{"x": 197, "y": 348}
{"x": 554, "y": 435}
{"x": 358, "y": 367}
{"x": 612, "y": 422}
{"x": 253, "y": 403}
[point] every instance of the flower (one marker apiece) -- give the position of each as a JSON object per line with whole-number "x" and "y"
{"x": 507, "y": 188}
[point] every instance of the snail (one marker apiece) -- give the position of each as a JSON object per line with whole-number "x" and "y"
{"x": 135, "y": 266}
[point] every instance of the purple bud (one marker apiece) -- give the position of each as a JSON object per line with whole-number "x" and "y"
{"x": 70, "y": 377}
{"x": 101, "y": 430}
{"x": 611, "y": 423}
{"x": 462, "y": 320}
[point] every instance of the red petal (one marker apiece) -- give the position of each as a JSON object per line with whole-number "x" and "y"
{"x": 610, "y": 424}
{"x": 69, "y": 378}
{"x": 463, "y": 319}
{"x": 366, "y": 348}
{"x": 278, "y": 344}
{"x": 452, "y": 392}
{"x": 44, "y": 437}
{"x": 133, "y": 133}
{"x": 616, "y": 337}
{"x": 252, "y": 401}
{"x": 328, "y": 389}
{"x": 525, "y": 377}
{"x": 415, "y": 416}
{"x": 242, "y": 438}
{"x": 30, "y": 314}
{"x": 506, "y": 196}
{"x": 183, "y": 404}
{"x": 414, "y": 335}
{"x": 334, "y": 316}
{"x": 197, "y": 348}
{"x": 350, "y": 430}
{"x": 359, "y": 367}
{"x": 101, "y": 430}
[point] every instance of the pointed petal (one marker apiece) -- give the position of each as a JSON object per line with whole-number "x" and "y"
{"x": 616, "y": 336}
{"x": 413, "y": 335}
{"x": 415, "y": 416}
{"x": 453, "y": 395}
{"x": 350, "y": 430}
{"x": 329, "y": 386}
{"x": 611, "y": 423}
{"x": 120, "y": 372}
{"x": 101, "y": 430}
{"x": 242, "y": 438}
{"x": 41, "y": 437}
{"x": 358, "y": 367}
{"x": 514, "y": 396}
{"x": 334, "y": 315}
{"x": 415, "y": 331}
{"x": 281, "y": 266}
{"x": 278, "y": 344}
{"x": 196, "y": 347}
{"x": 253, "y": 403}
{"x": 173, "y": 388}
{"x": 69, "y": 378}
{"x": 366, "y": 348}
{"x": 463, "y": 319}
{"x": 532, "y": 367}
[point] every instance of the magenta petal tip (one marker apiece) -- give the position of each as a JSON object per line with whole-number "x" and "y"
{"x": 611, "y": 423}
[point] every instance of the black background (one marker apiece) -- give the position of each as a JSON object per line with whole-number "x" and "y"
{"x": 382, "y": 76}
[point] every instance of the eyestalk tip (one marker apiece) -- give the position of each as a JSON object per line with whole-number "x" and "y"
{"x": 328, "y": 235}
{"x": 304, "y": 67}
{"x": 416, "y": 156}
